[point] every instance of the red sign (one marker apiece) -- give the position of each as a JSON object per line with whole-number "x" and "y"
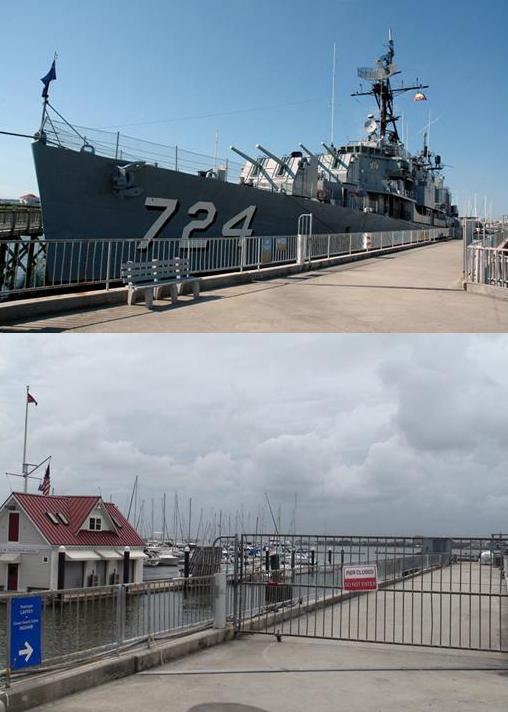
{"x": 360, "y": 578}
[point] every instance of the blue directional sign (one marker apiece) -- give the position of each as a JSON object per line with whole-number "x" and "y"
{"x": 25, "y": 632}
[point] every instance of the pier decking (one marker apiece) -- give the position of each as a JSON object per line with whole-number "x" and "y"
{"x": 415, "y": 291}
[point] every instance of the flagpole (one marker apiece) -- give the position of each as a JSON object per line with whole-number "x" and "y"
{"x": 24, "y": 466}
{"x": 43, "y": 117}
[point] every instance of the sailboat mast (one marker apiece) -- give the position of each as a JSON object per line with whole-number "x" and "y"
{"x": 164, "y": 518}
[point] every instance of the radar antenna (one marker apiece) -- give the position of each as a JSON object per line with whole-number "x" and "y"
{"x": 382, "y": 90}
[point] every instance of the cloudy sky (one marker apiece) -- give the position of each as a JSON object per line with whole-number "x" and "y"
{"x": 373, "y": 434}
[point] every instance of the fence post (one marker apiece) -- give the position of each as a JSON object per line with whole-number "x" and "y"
{"x": 236, "y": 591}
{"x": 108, "y": 266}
{"x": 301, "y": 244}
{"x": 120, "y": 614}
{"x": 219, "y": 607}
{"x": 243, "y": 244}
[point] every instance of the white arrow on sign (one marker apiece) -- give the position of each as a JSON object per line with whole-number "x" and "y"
{"x": 26, "y": 651}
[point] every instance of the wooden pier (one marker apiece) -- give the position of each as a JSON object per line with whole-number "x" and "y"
{"x": 21, "y": 250}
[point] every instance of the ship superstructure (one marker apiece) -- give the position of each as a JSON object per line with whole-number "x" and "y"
{"x": 374, "y": 175}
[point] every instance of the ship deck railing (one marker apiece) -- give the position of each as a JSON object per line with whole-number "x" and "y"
{"x": 124, "y": 148}
{"x": 30, "y": 267}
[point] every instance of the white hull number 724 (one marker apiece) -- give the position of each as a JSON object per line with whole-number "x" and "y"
{"x": 238, "y": 226}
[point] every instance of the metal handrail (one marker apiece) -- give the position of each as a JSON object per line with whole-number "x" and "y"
{"x": 35, "y": 266}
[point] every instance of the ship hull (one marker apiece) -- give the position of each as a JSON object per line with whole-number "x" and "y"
{"x": 79, "y": 202}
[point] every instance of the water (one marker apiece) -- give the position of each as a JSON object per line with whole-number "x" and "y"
{"x": 158, "y": 573}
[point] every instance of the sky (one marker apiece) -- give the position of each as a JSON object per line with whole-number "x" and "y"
{"x": 374, "y": 434}
{"x": 259, "y": 71}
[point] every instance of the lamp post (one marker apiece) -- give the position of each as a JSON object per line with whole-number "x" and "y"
{"x": 126, "y": 564}
{"x": 61, "y": 568}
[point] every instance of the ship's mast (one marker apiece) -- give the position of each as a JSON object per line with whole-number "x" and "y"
{"x": 384, "y": 93}
{"x": 332, "y": 127}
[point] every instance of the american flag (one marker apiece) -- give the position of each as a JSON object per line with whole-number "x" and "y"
{"x": 45, "y": 484}
{"x": 30, "y": 398}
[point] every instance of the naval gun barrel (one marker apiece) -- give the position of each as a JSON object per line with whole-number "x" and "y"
{"x": 257, "y": 164}
{"x": 320, "y": 162}
{"x": 278, "y": 160}
{"x": 329, "y": 150}
{"x": 333, "y": 153}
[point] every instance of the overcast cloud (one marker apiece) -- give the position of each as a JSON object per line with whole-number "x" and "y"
{"x": 375, "y": 434}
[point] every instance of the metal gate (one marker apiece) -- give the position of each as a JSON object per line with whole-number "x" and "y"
{"x": 434, "y": 592}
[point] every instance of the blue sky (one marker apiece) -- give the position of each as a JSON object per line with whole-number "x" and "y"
{"x": 263, "y": 69}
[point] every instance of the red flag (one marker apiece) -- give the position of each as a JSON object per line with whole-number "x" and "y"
{"x": 45, "y": 484}
{"x": 30, "y": 399}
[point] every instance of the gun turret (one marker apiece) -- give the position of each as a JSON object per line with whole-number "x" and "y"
{"x": 258, "y": 165}
{"x": 320, "y": 163}
{"x": 278, "y": 160}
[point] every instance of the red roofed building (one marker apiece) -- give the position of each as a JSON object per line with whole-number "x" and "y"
{"x": 34, "y": 527}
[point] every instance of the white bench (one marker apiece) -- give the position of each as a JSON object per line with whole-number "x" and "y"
{"x": 151, "y": 276}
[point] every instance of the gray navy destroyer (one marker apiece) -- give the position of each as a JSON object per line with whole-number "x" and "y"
{"x": 97, "y": 189}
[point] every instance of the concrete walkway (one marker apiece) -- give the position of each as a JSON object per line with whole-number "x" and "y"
{"x": 415, "y": 291}
{"x": 257, "y": 674}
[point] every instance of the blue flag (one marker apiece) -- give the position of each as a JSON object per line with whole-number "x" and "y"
{"x": 47, "y": 79}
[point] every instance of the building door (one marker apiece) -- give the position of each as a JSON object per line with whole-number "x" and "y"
{"x": 12, "y": 577}
{"x": 74, "y": 574}
{"x": 100, "y": 571}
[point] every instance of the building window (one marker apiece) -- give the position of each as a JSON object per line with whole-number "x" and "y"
{"x": 13, "y": 526}
{"x": 95, "y": 524}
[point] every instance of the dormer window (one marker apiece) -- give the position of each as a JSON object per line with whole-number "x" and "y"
{"x": 95, "y": 524}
